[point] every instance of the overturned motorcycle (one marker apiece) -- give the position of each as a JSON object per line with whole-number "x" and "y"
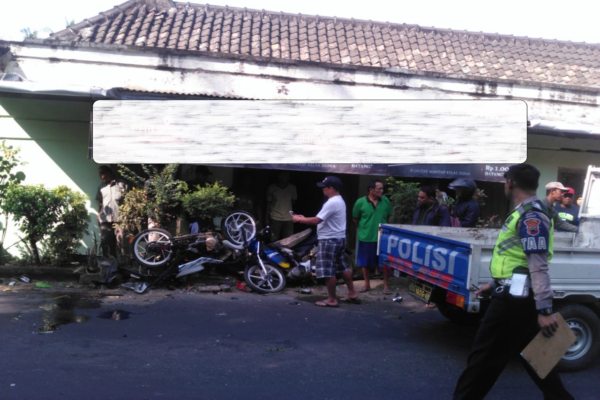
{"x": 272, "y": 264}
{"x": 266, "y": 267}
{"x": 160, "y": 256}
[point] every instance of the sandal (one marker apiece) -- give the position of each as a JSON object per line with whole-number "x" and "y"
{"x": 323, "y": 303}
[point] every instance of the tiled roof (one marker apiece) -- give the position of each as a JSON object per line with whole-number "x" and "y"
{"x": 126, "y": 93}
{"x": 296, "y": 38}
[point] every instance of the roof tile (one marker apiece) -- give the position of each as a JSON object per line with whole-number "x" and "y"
{"x": 301, "y": 38}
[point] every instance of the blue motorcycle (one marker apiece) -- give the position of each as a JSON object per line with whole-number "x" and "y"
{"x": 273, "y": 263}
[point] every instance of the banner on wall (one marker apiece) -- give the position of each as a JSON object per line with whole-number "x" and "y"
{"x": 479, "y": 172}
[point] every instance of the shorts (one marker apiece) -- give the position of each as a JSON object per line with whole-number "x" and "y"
{"x": 366, "y": 255}
{"x": 330, "y": 258}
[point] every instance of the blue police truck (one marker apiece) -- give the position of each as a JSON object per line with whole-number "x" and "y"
{"x": 445, "y": 266}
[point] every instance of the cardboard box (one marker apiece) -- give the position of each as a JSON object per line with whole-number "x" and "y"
{"x": 544, "y": 353}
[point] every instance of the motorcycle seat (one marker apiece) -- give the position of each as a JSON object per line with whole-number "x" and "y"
{"x": 293, "y": 240}
{"x": 300, "y": 251}
{"x": 303, "y": 251}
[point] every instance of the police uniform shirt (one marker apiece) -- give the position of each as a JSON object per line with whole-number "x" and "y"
{"x": 534, "y": 232}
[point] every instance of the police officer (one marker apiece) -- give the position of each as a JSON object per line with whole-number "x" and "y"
{"x": 524, "y": 246}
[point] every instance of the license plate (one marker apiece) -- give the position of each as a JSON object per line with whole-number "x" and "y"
{"x": 421, "y": 290}
{"x": 396, "y": 273}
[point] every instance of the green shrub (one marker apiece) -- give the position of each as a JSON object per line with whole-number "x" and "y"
{"x": 163, "y": 192}
{"x": 209, "y": 201}
{"x": 67, "y": 233}
{"x": 5, "y": 256}
{"x": 403, "y": 197}
{"x": 58, "y": 214}
{"x": 160, "y": 196}
{"x": 133, "y": 212}
{"x": 9, "y": 161}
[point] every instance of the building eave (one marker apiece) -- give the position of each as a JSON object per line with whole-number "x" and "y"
{"x": 45, "y": 90}
{"x": 189, "y": 62}
{"x": 481, "y": 81}
{"x": 181, "y": 73}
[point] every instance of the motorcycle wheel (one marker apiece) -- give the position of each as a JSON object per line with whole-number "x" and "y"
{"x": 271, "y": 282}
{"x": 153, "y": 247}
{"x": 239, "y": 227}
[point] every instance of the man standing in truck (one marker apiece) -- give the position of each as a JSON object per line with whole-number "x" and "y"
{"x": 567, "y": 209}
{"x": 515, "y": 314}
{"x": 554, "y": 194}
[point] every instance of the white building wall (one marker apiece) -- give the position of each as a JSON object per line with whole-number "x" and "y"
{"x": 146, "y": 70}
{"x": 58, "y": 153}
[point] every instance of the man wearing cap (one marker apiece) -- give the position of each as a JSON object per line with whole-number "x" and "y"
{"x": 515, "y": 313}
{"x": 554, "y": 194}
{"x": 331, "y": 235}
{"x": 566, "y": 209}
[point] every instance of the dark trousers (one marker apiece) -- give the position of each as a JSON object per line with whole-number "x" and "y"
{"x": 507, "y": 327}
{"x": 108, "y": 240}
{"x": 281, "y": 229}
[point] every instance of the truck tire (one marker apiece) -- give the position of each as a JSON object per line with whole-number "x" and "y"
{"x": 458, "y": 315}
{"x": 585, "y": 324}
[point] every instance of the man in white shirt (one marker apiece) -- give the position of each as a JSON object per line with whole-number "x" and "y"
{"x": 280, "y": 199}
{"x": 331, "y": 235}
{"x": 110, "y": 195}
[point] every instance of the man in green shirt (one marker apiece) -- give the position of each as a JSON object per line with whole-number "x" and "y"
{"x": 368, "y": 212}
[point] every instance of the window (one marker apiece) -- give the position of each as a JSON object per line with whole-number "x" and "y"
{"x": 574, "y": 178}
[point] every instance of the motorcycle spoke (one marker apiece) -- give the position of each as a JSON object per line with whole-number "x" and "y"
{"x": 258, "y": 277}
{"x": 153, "y": 248}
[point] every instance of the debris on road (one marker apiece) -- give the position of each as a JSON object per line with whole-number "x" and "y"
{"x": 398, "y": 298}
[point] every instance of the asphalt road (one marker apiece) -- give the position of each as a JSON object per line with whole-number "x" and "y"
{"x": 235, "y": 345}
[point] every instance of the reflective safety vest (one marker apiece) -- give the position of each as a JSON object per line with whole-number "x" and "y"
{"x": 565, "y": 216}
{"x": 508, "y": 252}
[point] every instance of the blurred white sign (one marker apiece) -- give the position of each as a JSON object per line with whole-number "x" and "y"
{"x": 319, "y": 131}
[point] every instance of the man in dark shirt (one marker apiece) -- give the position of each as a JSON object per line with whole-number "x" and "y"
{"x": 566, "y": 209}
{"x": 429, "y": 211}
{"x": 466, "y": 208}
